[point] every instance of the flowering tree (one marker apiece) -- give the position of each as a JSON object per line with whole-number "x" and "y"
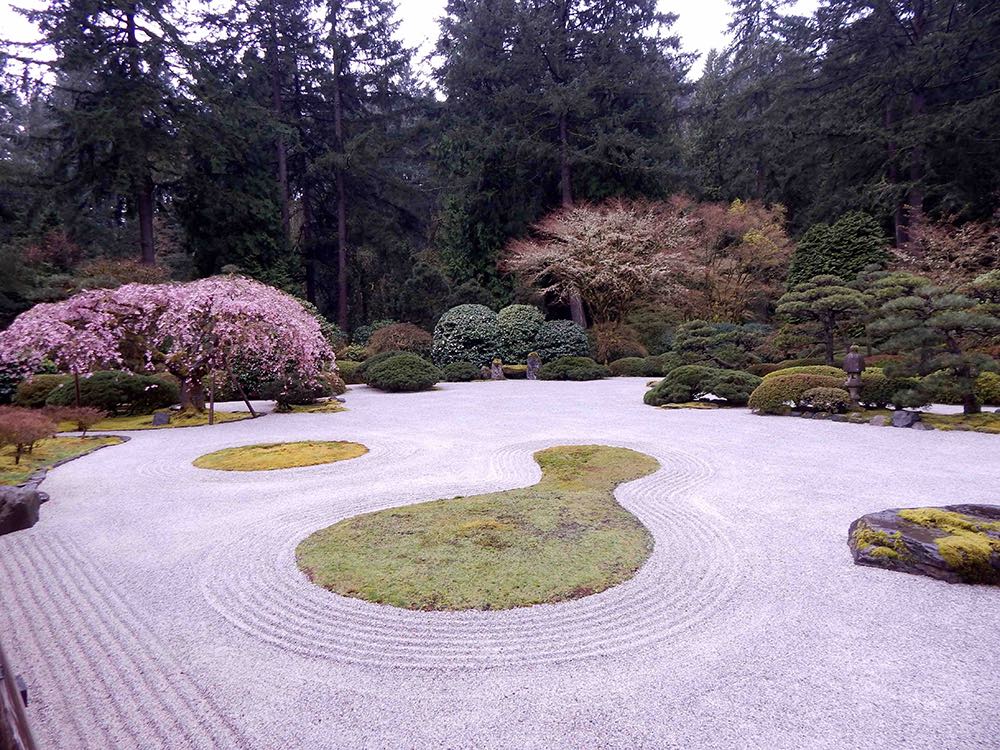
{"x": 613, "y": 254}
{"x": 191, "y": 330}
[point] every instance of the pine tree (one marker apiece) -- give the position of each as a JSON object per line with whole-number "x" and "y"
{"x": 827, "y": 303}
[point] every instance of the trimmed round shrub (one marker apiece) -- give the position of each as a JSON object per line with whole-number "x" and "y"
{"x": 361, "y": 334}
{"x": 363, "y": 368}
{"x": 467, "y": 333}
{"x": 679, "y": 386}
{"x": 459, "y": 372}
{"x": 879, "y": 390}
{"x": 33, "y": 393}
{"x": 988, "y": 388}
{"x": 775, "y": 394}
{"x": 734, "y": 386}
{"x": 561, "y": 338}
{"x": 400, "y": 337}
{"x": 636, "y": 367}
{"x": 118, "y": 392}
{"x": 349, "y": 371}
{"x": 403, "y": 373}
{"x": 825, "y": 370}
{"x": 573, "y": 368}
{"x": 613, "y": 341}
{"x": 834, "y": 400}
{"x": 666, "y": 362}
{"x": 519, "y": 325}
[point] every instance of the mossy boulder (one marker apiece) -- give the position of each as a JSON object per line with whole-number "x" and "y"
{"x": 954, "y": 543}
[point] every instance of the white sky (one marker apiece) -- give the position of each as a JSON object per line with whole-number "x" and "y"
{"x": 701, "y": 24}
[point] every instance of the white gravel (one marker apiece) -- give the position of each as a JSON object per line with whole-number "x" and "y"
{"x": 157, "y": 605}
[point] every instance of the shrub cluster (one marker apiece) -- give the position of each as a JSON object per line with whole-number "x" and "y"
{"x": 635, "y": 367}
{"x": 824, "y": 370}
{"x": 612, "y": 341}
{"x": 117, "y": 392}
{"x": 776, "y": 393}
{"x": 988, "y": 388}
{"x": 404, "y": 372}
{"x": 362, "y": 334}
{"x": 561, "y": 338}
{"x": 467, "y": 333}
{"x": 833, "y": 400}
{"x": 573, "y": 368}
{"x": 34, "y": 392}
{"x": 691, "y": 382}
{"x": 878, "y": 390}
{"x": 518, "y": 326}
{"x": 349, "y": 371}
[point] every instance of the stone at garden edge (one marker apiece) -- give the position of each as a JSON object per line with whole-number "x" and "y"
{"x": 18, "y": 508}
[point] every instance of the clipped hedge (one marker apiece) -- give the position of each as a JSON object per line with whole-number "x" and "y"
{"x": 636, "y": 367}
{"x": 403, "y": 373}
{"x": 118, "y": 392}
{"x": 775, "y": 394}
{"x": 988, "y": 388}
{"x": 879, "y": 390}
{"x": 466, "y": 333}
{"x": 561, "y": 338}
{"x": 459, "y": 372}
{"x": 32, "y": 393}
{"x": 573, "y": 368}
{"x": 691, "y": 382}
{"x": 349, "y": 371}
{"x": 825, "y": 370}
{"x": 833, "y": 400}
{"x": 518, "y": 326}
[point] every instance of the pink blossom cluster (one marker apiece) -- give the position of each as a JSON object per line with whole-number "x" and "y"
{"x": 192, "y": 329}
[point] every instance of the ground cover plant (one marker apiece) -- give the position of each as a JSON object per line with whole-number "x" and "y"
{"x": 563, "y": 538}
{"x": 269, "y": 456}
{"x": 177, "y": 419}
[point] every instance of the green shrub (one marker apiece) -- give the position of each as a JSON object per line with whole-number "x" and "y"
{"x": 518, "y": 326}
{"x": 402, "y": 337}
{"x": 988, "y": 388}
{"x": 363, "y": 368}
{"x": 855, "y": 241}
{"x": 833, "y": 400}
{"x": 825, "y": 370}
{"x": 466, "y": 333}
{"x": 405, "y": 372}
{"x": 655, "y": 327}
{"x": 349, "y": 371}
{"x": 691, "y": 382}
{"x": 723, "y": 345}
{"x": 33, "y": 393}
{"x": 636, "y": 367}
{"x": 297, "y": 392}
{"x": 353, "y": 352}
{"x": 774, "y": 394}
{"x": 573, "y": 368}
{"x": 561, "y": 338}
{"x": 459, "y": 372}
{"x": 665, "y": 363}
{"x": 879, "y": 390}
{"x": 118, "y": 392}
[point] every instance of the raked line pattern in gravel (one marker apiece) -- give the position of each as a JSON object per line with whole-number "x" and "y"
{"x": 158, "y": 606}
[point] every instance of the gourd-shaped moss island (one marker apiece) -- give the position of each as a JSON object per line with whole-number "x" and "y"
{"x": 563, "y": 538}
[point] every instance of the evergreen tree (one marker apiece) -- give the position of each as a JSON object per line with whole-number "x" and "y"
{"x": 854, "y": 242}
{"x": 825, "y": 302}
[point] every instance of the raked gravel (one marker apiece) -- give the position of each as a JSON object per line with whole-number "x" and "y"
{"x": 157, "y": 605}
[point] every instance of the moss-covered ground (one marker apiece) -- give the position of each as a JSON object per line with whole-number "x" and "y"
{"x": 145, "y": 421}
{"x": 563, "y": 538}
{"x": 48, "y": 453}
{"x": 331, "y": 406}
{"x": 268, "y": 456}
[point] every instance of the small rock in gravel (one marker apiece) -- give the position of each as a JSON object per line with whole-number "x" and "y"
{"x": 806, "y": 415}
{"x": 795, "y": 414}
{"x": 905, "y": 418}
{"x": 838, "y": 417}
{"x": 18, "y": 508}
{"x": 923, "y": 426}
{"x": 879, "y": 420}
{"x": 821, "y": 415}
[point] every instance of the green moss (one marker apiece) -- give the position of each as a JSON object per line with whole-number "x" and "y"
{"x": 880, "y": 543}
{"x": 984, "y": 422}
{"x": 966, "y": 545}
{"x": 560, "y": 539}
{"x": 46, "y": 454}
{"x": 268, "y": 456}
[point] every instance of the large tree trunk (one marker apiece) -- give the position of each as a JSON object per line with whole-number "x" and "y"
{"x": 828, "y": 342}
{"x": 192, "y": 394}
{"x": 144, "y": 201}
{"x": 338, "y": 128}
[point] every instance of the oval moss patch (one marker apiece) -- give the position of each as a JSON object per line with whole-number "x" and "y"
{"x": 563, "y": 538}
{"x": 267, "y": 456}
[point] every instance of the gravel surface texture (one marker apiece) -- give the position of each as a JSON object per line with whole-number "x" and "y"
{"x": 157, "y": 605}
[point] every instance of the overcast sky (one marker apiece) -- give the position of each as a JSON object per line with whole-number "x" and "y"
{"x": 701, "y": 24}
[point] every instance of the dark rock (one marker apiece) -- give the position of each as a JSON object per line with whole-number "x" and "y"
{"x": 496, "y": 370}
{"x": 534, "y": 365}
{"x": 838, "y": 417}
{"x": 161, "y": 418}
{"x": 821, "y": 415}
{"x": 905, "y": 418}
{"x": 806, "y": 415}
{"x": 922, "y": 426}
{"x": 795, "y": 414}
{"x": 19, "y": 508}
{"x": 954, "y": 543}
{"x": 879, "y": 420}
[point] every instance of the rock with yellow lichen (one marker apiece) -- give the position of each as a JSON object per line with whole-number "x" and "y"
{"x": 954, "y": 543}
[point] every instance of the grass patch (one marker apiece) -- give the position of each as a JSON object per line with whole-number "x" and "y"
{"x": 47, "y": 453}
{"x": 145, "y": 421}
{"x": 984, "y": 422}
{"x": 268, "y": 456}
{"x": 692, "y": 405}
{"x": 563, "y": 538}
